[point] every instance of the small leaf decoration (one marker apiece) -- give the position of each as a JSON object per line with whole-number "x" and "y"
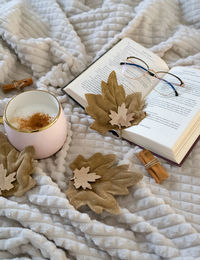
{"x": 114, "y": 180}
{"x": 6, "y": 180}
{"x": 82, "y": 177}
{"x": 20, "y": 163}
{"x": 121, "y": 118}
{"x": 113, "y": 96}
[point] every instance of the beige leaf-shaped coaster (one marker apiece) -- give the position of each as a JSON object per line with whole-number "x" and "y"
{"x": 18, "y": 164}
{"x": 82, "y": 178}
{"x": 6, "y": 180}
{"x": 113, "y": 109}
{"x": 121, "y": 118}
{"x": 112, "y": 180}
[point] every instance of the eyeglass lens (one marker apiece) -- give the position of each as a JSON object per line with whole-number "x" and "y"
{"x": 166, "y": 83}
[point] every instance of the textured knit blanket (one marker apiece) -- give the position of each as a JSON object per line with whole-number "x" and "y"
{"x": 52, "y": 42}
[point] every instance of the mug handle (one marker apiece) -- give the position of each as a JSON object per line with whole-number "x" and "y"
{"x": 1, "y": 120}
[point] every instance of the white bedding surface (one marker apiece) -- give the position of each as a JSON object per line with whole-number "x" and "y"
{"x": 53, "y": 41}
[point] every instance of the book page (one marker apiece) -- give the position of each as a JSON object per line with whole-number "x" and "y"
{"x": 170, "y": 120}
{"x": 90, "y": 80}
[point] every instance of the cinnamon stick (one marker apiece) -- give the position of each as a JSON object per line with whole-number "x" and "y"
{"x": 17, "y": 84}
{"x": 152, "y": 165}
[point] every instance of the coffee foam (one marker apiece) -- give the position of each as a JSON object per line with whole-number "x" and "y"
{"x": 24, "y": 112}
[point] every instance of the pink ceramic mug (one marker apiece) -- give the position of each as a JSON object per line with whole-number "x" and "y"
{"x": 47, "y": 139}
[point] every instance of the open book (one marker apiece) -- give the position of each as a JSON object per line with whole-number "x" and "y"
{"x": 172, "y": 124}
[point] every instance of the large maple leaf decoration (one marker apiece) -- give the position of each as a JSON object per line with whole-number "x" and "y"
{"x": 102, "y": 107}
{"x": 114, "y": 180}
{"x": 18, "y": 164}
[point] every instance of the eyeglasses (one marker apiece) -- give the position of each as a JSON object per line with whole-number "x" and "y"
{"x": 136, "y": 68}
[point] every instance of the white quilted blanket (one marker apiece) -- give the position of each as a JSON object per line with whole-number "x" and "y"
{"x": 53, "y": 41}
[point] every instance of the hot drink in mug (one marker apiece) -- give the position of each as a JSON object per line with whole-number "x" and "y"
{"x": 35, "y": 118}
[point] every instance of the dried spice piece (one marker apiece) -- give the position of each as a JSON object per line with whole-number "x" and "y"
{"x": 17, "y": 84}
{"x": 82, "y": 177}
{"x": 152, "y": 165}
{"x": 20, "y": 163}
{"x": 6, "y": 180}
{"x": 102, "y": 107}
{"x": 114, "y": 180}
